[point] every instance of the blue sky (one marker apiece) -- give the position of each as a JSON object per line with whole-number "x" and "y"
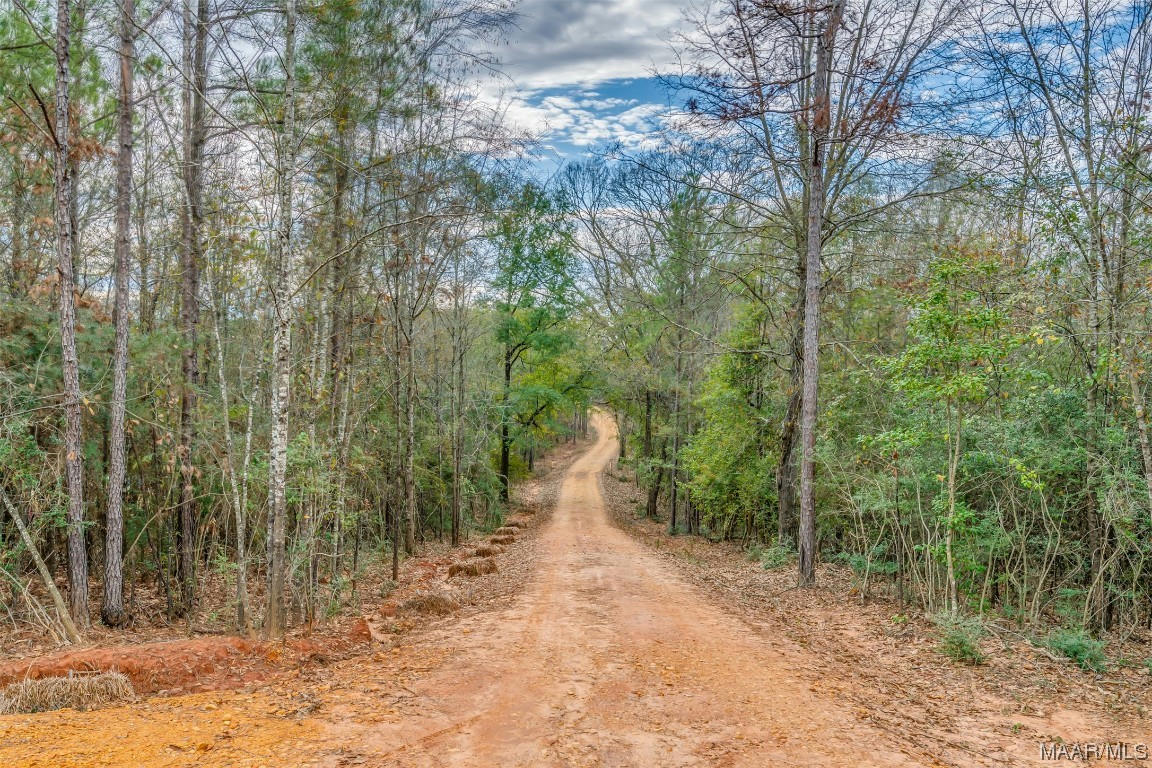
{"x": 579, "y": 72}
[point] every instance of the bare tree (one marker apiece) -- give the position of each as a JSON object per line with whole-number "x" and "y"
{"x": 112, "y": 609}
{"x": 819, "y": 119}
{"x": 195, "y": 52}
{"x": 807, "y": 119}
{"x": 65, "y": 239}
{"x": 282, "y": 300}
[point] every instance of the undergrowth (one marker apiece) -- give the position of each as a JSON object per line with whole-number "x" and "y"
{"x": 1080, "y": 647}
{"x": 960, "y": 637}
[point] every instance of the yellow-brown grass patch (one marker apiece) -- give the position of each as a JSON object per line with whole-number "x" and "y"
{"x": 474, "y": 567}
{"x": 434, "y": 603}
{"x": 77, "y": 691}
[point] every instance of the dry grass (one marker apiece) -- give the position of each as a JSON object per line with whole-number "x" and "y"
{"x": 434, "y": 603}
{"x": 487, "y": 550}
{"x": 506, "y": 531}
{"x": 502, "y": 540}
{"x": 474, "y": 567}
{"x": 515, "y": 524}
{"x": 80, "y": 691}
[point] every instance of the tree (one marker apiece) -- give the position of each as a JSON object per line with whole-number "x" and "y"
{"x": 961, "y": 343}
{"x": 659, "y": 243}
{"x": 65, "y": 238}
{"x": 1075, "y": 80}
{"x": 531, "y": 296}
{"x": 819, "y": 118}
{"x": 194, "y": 64}
{"x": 282, "y": 298}
{"x": 112, "y": 610}
{"x": 810, "y": 122}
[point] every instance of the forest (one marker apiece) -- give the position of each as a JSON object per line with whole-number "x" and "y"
{"x": 287, "y": 296}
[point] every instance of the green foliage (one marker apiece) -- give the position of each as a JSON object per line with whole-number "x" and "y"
{"x": 977, "y": 422}
{"x": 531, "y": 294}
{"x": 1080, "y": 647}
{"x": 960, "y": 329}
{"x": 776, "y": 556}
{"x": 960, "y": 637}
{"x": 875, "y": 562}
{"x": 531, "y": 289}
{"x": 732, "y": 473}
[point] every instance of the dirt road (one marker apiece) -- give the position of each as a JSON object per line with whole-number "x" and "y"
{"x": 610, "y": 660}
{"x": 606, "y": 658}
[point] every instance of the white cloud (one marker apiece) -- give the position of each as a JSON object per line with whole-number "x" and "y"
{"x": 567, "y": 42}
{"x": 573, "y": 46}
{"x": 630, "y": 128}
{"x": 583, "y": 123}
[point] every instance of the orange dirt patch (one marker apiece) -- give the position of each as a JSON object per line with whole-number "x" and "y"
{"x": 192, "y": 665}
{"x": 152, "y": 667}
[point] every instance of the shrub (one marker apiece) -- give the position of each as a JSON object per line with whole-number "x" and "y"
{"x": 1080, "y": 647}
{"x": 960, "y": 638}
{"x": 776, "y": 557}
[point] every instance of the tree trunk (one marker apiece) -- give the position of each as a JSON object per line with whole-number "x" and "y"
{"x": 674, "y": 476}
{"x": 45, "y": 575}
{"x": 238, "y": 502}
{"x": 654, "y": 489}
{"x": 647, "y": 447}
{"x": 338, "y": 324}
{"x": 458, "y": 352}
{"x": 282, "y": 340}
{"x": 622, "y": 432}
{"x": 73, "y": 433}
{"x": 1141, "y": 429}
{"x": 396, "y": 490}
{"x": 786, "y": 468}
{"x": 953, "y": 466}
{"x": 112, "y": 611}
{"x": 410, "y": 438}
{"x": 457, "y": 489}
{"x": 820, "y": 119}
{"x": 195, "y": 53}
{"x": 505, "y": 437}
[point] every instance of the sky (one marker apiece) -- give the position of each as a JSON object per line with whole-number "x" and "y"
{"x": 578, "y": 73}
